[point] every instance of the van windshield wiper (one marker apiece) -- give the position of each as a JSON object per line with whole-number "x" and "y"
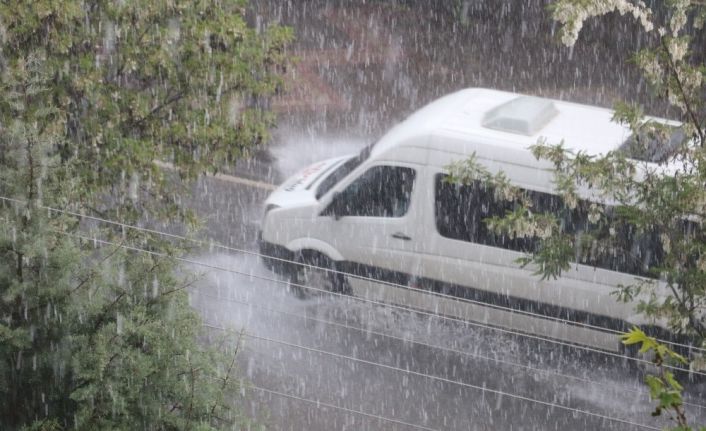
{"x": 343, "y": 170}
{"x": 365, "y": 152}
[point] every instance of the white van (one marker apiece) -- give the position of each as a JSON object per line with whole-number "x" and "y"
{"x": 388, "y": 215}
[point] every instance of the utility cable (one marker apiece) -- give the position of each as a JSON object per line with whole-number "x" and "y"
{"x": 320, "y": 404}
{"x": 441, "y": 379}
{"x": 438, "y": 347}
{"x": 211, "y": 244}
{"x": 493, "y": 391}
{"x": 370, "y": 301}
{"x": 433, "y": 315}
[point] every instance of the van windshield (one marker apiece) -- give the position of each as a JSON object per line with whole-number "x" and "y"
{"x": 343, "y": 170}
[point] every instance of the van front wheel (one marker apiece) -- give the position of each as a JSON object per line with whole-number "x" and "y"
{"x": 313, "y": 273}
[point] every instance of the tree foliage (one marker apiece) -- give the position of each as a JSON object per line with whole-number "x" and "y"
{"x": 94, "y": 336}
{"x": 130, "y": 82}
{"x": 653, "y": 190}
{"x": 664, "y": 193}
{"x": 664, "y": 387}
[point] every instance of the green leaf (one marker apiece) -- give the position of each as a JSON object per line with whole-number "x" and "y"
{"x": 656, "y": 386}
{"x": 634, "y": 336}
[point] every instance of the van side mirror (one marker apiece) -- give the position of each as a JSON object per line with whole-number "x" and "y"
{"x": 336, "y": 208}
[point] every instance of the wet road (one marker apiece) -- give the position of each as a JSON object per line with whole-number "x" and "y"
{"x": 381, "y": 362}
{"x": 404, "y": 367}
{"x": 348, "y": 365}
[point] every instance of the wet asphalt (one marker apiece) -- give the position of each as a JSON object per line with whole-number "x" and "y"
{"x": 348, "y": 365}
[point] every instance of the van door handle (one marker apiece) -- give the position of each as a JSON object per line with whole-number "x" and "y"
{"x": 400, "y": 235}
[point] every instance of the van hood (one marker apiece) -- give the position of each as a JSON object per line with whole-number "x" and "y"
{"x": 300, "y": 188}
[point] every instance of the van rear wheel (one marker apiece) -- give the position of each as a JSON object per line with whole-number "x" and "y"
{"x": 313, "y": 274}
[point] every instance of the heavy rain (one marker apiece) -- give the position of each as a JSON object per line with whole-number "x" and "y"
{"x": 361, "y": 68}
{"x": 362, "y": 324}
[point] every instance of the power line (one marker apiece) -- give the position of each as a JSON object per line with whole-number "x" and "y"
{"x": 382, "y": 304}
{"x": 440, "y": 379}
{"x": 493, "y": 391}
{"x": 320, "y": 404}
{"x": 211, "y": 244}
{"x": 434, "y": 315}
{"x": 446, "y": 349}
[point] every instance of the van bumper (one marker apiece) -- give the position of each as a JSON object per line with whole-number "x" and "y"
{"x": 275, "y": 257}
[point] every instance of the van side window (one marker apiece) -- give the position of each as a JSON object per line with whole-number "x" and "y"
{"x": 382, "y": 191}
{"x": 461, "y": 209}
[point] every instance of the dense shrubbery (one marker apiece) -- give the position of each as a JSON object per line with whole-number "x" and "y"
{"x": 94, "y": 336}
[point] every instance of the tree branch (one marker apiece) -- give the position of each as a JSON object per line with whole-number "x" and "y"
{"x": 168, "y": 101}
{"x": 230, "y": 369}
{"x": 684, "y": 97}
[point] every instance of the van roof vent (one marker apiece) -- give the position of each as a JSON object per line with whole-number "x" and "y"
{"x": 525, "y": 115}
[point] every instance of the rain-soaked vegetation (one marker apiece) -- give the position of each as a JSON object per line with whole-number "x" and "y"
{"x": 141, "y": 147}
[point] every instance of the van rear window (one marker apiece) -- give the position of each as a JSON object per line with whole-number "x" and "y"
{"x": 650, "y": 146}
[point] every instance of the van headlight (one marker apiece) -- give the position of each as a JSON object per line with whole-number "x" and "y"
{"x": 269, "y": 208}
